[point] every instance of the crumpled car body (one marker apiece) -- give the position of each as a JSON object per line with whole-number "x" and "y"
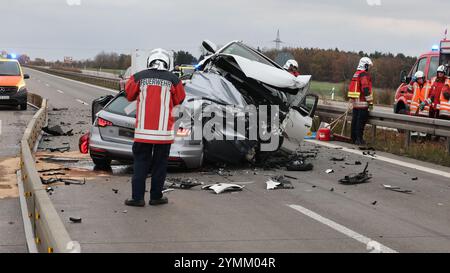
{"x": 230, "y": 81}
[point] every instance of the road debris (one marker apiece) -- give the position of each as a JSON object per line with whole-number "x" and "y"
{"x": 49, "y": 190}
{"x": 223, "y": 187}
{"x": 223, "y": 172}
{"x": 116, "y": 191}
{"x": 59, "y": 149}
{"x": 54, "y": 170}
{"x": 299, "y": 166}
{"x": 360, "y": 178}
{"x": 75, "y": 220}
{"x": 415, "y": 179}
{"x": 374, "y": 203}
{"x": 372, "y": 154}
{"x": 53, "y": 174}
{"x": 62, "y": 180}
{"x": 396, "y": 189}
{"x": 182, "y": 183}
{"x": 57, "y": 131}
{"x": 329, "y": 171}
{"x": 60, "y": 109}
{"x": 279, "y": 182}
{"x": 357, "y": 163}
{"x": 167, "y": 191}
{"x": 337, "y": 159}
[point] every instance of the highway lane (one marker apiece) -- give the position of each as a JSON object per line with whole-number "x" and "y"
{"x": 319, "y": 215}
{"x": 63, "y": 92}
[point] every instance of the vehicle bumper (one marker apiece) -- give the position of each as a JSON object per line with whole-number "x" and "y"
{"x": 14, "y": 99}
{"x": 183, "y": 153}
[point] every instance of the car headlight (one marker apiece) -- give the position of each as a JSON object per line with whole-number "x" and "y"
{"x": 22, "y": 89}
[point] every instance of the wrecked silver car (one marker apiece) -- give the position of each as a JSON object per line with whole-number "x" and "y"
{"x": 239, "y": 106}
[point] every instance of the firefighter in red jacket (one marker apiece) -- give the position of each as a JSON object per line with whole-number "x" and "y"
{"x": 292, "y": 67}
{"x": 360, "y": 94}
{"x": 437, "y": 84}
{"x": 157, "y": 91}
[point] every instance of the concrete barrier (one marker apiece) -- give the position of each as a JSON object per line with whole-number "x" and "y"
{"x": 50, "y": 234}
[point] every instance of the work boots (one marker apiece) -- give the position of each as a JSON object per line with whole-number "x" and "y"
{"x": 156, "y": 202}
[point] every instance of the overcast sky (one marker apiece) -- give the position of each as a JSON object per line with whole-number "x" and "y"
{"x": 53, "y": 29}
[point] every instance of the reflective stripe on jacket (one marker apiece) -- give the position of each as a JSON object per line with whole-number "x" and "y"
{"x": 360, "y": 90}
{"x": 156, "y": 92}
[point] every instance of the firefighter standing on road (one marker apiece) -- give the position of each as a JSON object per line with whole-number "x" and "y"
{"x": 157, "y": 91}
{"x": 360, "y": 94}
{"x": 292, "y": 67}
{"x": 437, "y": 84}
{"x": 444, "y": 106}
{"x": 421, "y": 88}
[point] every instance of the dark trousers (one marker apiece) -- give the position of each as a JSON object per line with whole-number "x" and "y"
{"x": 359, "y": 121}
{"x": 146, "y": 156}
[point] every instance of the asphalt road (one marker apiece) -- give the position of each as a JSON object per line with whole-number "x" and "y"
{"x": 319, "y": 215}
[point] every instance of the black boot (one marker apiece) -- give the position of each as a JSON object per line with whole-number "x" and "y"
{"x": 135, "y": 203}
{"x": 155, "y": 202}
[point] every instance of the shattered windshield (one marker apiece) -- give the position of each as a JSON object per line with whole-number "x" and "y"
{"x": 239, "y": 50}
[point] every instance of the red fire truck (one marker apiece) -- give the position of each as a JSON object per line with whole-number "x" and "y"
{"x": 427, "y": 63}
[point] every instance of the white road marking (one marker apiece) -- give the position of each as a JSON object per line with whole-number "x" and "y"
{"x": 87, "y": 84}
{"x": 59, "y": 91}
{"x": 370, "y": 244}
{"x": 385, "y": 159}
{"x": 82, "y": 102}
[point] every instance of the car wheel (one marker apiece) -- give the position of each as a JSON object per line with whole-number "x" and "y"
{"x": 102, "y": 163}
{"x": 23, "y": 106}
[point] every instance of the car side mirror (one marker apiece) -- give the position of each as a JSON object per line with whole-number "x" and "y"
{"x": 403, "y": 76}
{"x": 26, "y": 76}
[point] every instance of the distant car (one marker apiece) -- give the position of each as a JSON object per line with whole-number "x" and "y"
{"x": 13, "y": 90}
{"x": 234, "y": 75}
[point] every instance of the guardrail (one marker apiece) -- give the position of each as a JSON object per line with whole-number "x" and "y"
{"x": 49, "y": 232}
{"x": 436, "y": 127}
{"x": 96, "y": 80}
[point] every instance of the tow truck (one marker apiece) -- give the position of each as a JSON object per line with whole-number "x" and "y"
{"x": 427, "y": 63}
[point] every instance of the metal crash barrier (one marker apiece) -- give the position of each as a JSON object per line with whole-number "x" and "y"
{"x": 408, "y": 124}
{"x": 50, "y": 234}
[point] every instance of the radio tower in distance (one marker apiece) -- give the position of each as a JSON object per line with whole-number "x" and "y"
{"x": 278, "y": 41}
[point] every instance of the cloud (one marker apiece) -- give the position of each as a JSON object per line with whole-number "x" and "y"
{"x": 53, "y": 28}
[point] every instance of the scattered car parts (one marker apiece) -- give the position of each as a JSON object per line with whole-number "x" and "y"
{"x": 397, "y": 189}
{"x": 223, "y": 187}
{"x": 360, "y": 178}
{"x": 182, "y": 183}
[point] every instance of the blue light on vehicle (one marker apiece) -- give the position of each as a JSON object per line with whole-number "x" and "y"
{"x": 12, "y": 56}
{"x": 435, "y": 48}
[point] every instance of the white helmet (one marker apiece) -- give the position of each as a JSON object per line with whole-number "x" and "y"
{"x": 159, "y": 59}
{"x": 289, "y": 63}
{"x": 419, "y": 74}
{"x": 441, "y": 69}
{"x": 365, "y": 63}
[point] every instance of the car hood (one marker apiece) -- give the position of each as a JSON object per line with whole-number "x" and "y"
{"x": 11, "y": 80}
{"x": 268, "y": 74}
{"x": 213, "y": 87}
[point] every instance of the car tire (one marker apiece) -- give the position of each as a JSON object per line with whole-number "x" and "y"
{"x": 102, "y": 163}
{"x": 23, "y": 106}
